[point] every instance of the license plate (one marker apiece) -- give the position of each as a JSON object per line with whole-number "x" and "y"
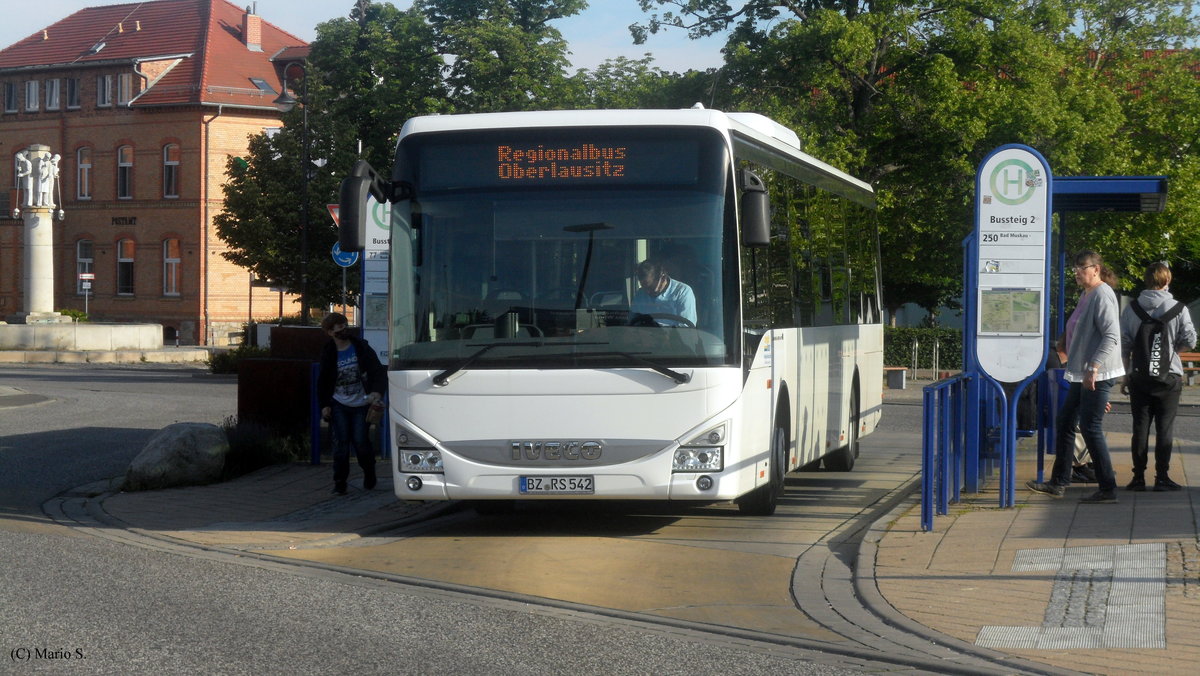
{"x": 562, "y": 485}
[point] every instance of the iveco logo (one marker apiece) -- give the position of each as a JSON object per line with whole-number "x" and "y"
{"x": 556, "y": 450}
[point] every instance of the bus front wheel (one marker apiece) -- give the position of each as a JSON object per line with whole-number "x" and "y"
{"x": 762, "y": 500}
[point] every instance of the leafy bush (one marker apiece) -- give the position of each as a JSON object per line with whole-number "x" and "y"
{"x": 898, "y": 347}
{"x": 226, "y": 361}
{"x": 253, "y": 446}
{"x": 76, "y": 315}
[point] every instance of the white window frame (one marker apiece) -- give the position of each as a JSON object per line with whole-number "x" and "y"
{"x": 124, "y": 88}
{"x": 124, "y": 173}
{"x": 83, "y": 173}
{"x": 31, "y": 96}
{"x": 171, "y": 171}
{"x": 53, "y": 93}
{"x": 126, "y": 260}
{"x": 171, "y": 267}
{"x": 84, "y": 263}
{"x": 11, "y": 97}
{"x": 104, "y": 91}
{"x": 72, "y": 93}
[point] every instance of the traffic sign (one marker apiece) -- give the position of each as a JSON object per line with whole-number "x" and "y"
{"x": 334, "y": 210}
{"x": 87, "y": 275}
{"x": 344, "y": 258}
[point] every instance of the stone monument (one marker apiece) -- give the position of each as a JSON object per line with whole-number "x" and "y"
{"x": 38, "y": 188}
{"x": 39, "y": 327}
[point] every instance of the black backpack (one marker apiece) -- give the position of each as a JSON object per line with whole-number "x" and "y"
{"x": 1150, "y": 363}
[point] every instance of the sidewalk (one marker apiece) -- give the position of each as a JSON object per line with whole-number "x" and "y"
{"x": 1108, "y": 589}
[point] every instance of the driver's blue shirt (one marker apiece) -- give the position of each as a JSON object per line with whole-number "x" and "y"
{"x": 676, "y": 299}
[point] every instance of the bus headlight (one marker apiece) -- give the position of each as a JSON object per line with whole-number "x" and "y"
{"x": 703, "y": 453}
{"x": 420, "y": 461}
{"x": 697, "y": 459}
{"x": 415, "y": 454}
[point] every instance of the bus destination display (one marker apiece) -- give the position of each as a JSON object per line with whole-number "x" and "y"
{"x": 584, "y": 162}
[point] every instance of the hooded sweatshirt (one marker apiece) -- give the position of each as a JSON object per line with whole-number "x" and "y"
{"x": 1181, "y": 334}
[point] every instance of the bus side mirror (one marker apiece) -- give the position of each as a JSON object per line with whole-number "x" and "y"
{"x": 755, "y": 211}
{"x": 362, "y": 182}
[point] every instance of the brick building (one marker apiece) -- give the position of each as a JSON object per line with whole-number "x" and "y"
{"x": 145, "y": 102}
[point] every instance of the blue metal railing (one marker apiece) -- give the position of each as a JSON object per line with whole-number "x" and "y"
{"x": 969, "y": 433}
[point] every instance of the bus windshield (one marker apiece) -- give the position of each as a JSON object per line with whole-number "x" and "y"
{"x": 564, "y": 249}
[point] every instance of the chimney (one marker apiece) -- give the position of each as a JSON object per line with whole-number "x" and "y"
{"x": 252, "y": 30}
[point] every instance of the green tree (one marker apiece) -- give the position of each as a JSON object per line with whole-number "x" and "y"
{"x": 365, "y": 75}
{"x": 912, "y": 96}
{"x": 501, "y": 55}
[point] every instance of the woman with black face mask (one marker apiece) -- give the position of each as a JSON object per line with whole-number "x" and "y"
{"x": 351, "y": 380}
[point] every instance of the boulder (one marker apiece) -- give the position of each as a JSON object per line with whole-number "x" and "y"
{"x": 182, "y": 454}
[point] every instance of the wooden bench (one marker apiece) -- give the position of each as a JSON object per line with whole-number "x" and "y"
{"x": 896, "y": 376}
{"x": 1191, "y": 365}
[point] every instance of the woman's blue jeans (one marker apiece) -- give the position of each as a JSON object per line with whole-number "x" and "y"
{"x": 348, "y": 427}
{"x": 1085, "y": 407}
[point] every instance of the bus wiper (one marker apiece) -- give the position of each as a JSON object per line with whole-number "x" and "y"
{"x": 442, "y": 378}
{"x": 678, "y": 377}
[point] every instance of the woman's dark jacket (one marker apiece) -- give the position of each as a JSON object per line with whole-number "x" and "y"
{"x": 376, "y": 375}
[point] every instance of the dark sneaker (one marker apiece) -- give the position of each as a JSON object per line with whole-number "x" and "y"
{"x": 1165, "y": 484}
{"x": 1051, "y": 489}
{"x": 339, "y": 488}
{"x": 1138, "y": 484}
{"x": 369, "y": 482}
{"x": 1100, "y": 498}
{"x": 1082, "y": 474}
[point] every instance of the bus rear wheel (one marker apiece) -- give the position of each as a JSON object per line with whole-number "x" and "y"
{"x": 763, "y": 500}
{"x": 842, "y": 460}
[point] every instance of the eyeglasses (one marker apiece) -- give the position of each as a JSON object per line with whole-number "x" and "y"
{"x": 1081, "y": 268}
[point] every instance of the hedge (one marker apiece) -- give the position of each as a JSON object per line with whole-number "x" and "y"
{"x": 898, "y": 347}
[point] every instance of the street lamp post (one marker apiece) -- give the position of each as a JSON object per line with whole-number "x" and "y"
{"x": 285, "y": 102}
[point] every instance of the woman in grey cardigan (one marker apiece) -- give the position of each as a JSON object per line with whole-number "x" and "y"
{"x": 1093, "y": 342}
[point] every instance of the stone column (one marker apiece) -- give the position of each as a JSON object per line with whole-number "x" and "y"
{"x": 37, "y": 210}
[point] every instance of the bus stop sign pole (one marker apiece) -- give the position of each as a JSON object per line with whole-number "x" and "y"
{"x": 1011, "y": 283}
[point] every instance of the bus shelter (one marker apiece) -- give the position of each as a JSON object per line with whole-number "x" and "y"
{"x": 964, "y": 423}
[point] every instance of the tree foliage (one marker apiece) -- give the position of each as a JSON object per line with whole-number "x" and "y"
{"x": 909, "y": 96}
{"x": 912, "y": 96}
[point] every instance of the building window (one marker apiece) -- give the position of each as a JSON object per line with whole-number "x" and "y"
{"x": 84, "y": 260}
{"x": 125, "y": 172}
{"x": 124, "y": 88}
{"x": 171, "y": 170}
{"x": 103, "y": 91}
{"x": 83, "y": 173}
{"x": 72, "y": 93}
{"x": 171, "y": 267}
{"x": 10, "y": 97}
{"x": 52, "y": 90}
{"x": 31, "y": 95}
{"x": 125, "y": 256}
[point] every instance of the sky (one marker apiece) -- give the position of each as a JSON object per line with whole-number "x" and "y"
{"x": 599, "y": 33}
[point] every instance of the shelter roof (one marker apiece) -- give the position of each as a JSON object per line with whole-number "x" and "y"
{"x": 1110, "y": 193}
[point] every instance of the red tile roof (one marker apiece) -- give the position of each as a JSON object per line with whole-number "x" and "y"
{"x": 215, "y": 65}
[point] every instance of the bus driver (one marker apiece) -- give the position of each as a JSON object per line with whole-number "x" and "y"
{"x": 661, "y": 299}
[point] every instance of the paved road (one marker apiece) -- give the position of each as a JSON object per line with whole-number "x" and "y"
{"x": 67, "y": 597}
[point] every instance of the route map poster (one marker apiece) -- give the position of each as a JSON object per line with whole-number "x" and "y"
{"x": 1010, "y": 311}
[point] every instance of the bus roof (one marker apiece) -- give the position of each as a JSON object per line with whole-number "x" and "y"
{"x": 754, "y": 137}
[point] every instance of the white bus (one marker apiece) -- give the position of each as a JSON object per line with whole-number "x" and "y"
{"x": 526, "y": 361}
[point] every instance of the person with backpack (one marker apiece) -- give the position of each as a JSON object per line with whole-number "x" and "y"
{"x": 1093, "y": 345}
{"x": 1154, "y": 329}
